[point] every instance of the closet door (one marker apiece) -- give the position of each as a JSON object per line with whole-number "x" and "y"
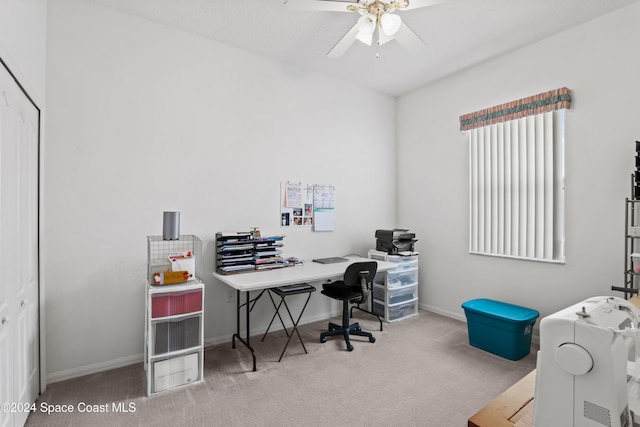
{"x": 8, "y": 195}
{"x": 27, "y": 365}
{"x": 19, "y": 329}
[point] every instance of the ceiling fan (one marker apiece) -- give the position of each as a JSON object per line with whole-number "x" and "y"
{"x": 377, "y": 19}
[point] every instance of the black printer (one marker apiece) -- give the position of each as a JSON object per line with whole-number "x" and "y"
{"x": 395, "y": 241}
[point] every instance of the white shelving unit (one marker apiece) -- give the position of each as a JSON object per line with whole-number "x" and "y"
{"x": 174, "y": 321}
{"x": 395, "y": 291}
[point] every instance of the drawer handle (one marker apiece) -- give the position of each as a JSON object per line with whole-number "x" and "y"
{"x": 5, "y": 320}
{"x": 23, "y": 303}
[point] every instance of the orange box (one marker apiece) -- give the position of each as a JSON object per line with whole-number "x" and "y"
{"x": 170, "y": 277}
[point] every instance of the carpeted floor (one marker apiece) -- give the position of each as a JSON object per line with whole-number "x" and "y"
{"x": 419, "y": 372}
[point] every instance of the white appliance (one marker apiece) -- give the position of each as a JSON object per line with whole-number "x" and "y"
{"x": 586, "y": 373}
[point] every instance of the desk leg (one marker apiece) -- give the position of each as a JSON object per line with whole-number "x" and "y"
{"x": 238, "y": 306}
{"x": 248, "y": 305}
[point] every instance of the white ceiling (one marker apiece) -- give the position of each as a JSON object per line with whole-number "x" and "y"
{"x": 458, "y": 33}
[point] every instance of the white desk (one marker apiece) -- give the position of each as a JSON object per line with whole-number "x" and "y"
{"x": 262, "y": 280}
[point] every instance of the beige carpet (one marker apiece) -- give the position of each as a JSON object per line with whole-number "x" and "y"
{"x": 419, "y": 372}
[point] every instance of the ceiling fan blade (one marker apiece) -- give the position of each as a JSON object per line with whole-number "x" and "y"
{"x": 345, "y": 43}
{"x": 415, "y": 4}
{"x": 322, "y": 5}
{"x": 408, "y": 39}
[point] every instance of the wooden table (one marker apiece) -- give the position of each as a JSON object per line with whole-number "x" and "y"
{"x": 513, "y": 408}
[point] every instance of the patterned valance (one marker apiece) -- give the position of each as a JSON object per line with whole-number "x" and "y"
{"x": 541, "y": 103}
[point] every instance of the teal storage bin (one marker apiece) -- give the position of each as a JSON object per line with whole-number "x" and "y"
{"x": 500, "y": 328}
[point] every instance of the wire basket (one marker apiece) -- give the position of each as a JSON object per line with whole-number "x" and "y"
{"x": 158, "y": 251}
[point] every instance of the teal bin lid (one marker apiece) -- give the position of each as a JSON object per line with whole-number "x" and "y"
{"x": 501, "y": 310}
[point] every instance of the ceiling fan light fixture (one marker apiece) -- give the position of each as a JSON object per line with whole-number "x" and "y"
{"x": 366, "y": 28}
{"x": 366, "y": 25}
{"x": 390, "y": 23}
{"x": 377, "y": 20}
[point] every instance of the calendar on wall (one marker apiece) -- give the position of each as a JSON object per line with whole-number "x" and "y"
{"x": 324, "y": 209}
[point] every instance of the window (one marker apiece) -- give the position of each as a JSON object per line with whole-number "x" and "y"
{"x": 516, "y": 178}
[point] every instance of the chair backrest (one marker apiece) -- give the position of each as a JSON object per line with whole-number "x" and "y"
{"x": 361, "y": 274}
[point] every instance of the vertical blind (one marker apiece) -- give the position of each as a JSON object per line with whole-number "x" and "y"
{"x": 516, "y": 177}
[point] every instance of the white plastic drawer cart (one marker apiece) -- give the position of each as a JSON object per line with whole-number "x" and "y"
{"x": 395, "y": 291}
{"x": 174, "y": 320}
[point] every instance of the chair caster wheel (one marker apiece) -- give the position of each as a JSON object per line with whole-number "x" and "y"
{"x": 323, "y": 340}
{"x": 372, "y": 339}
{"x": 349, "y": 347}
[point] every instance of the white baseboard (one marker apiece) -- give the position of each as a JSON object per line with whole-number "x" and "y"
{"x": 446, "y": 313}
{"x": 94, "y": 368}
{"x": 535, "y": 337}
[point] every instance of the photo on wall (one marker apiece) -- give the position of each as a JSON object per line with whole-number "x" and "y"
{"x": 296, "y": 204}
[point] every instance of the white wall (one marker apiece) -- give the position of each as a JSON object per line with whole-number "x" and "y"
{"x": 23, "y": 42}
{"x": 598, "y": 61}
{"x": 145, "y": 119}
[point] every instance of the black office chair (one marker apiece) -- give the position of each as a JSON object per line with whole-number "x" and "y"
{"x": 354, "y": 288}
